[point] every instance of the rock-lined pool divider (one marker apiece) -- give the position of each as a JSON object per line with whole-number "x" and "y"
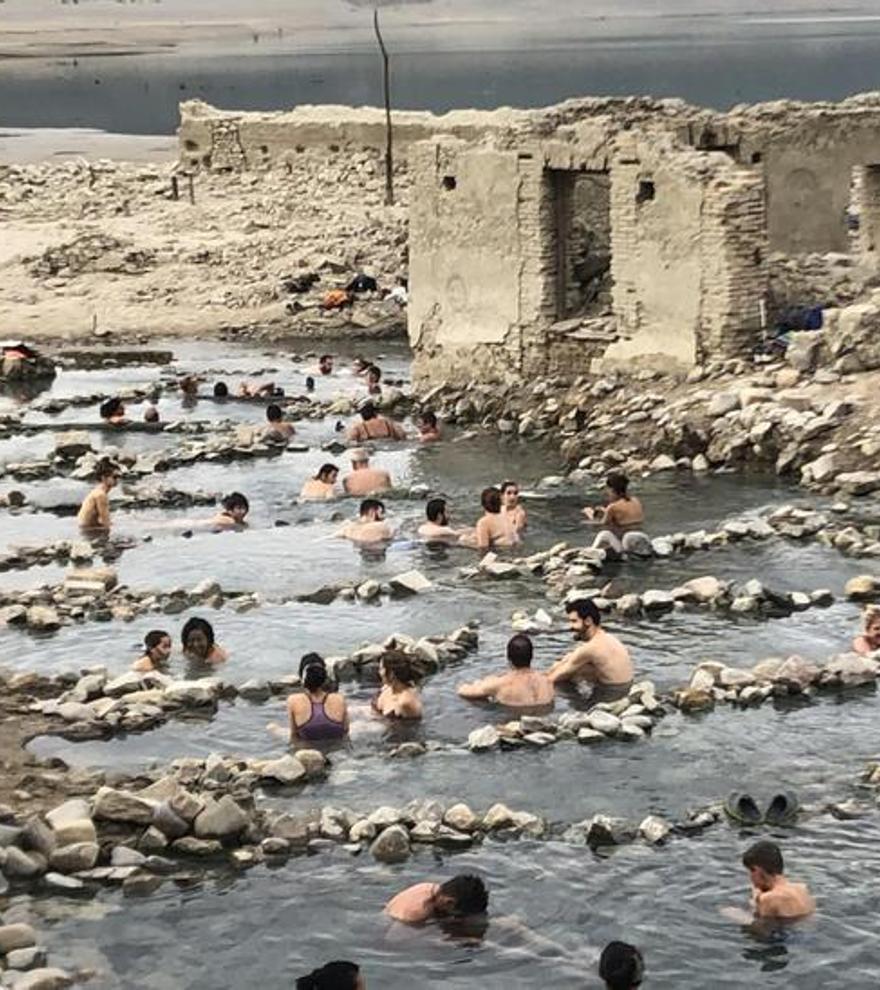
{"x": 24, "y": 961}
{"x": 94, "y": 705}
{"x": 93, "y": 595}
{"x": 63, "y": 552}
{"x": 133, "y": 497}
{"x": 633, "y": 717}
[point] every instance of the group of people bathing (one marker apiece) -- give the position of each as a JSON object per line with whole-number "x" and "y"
{"x": 465, "y": 898}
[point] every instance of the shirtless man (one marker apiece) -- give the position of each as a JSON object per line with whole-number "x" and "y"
{"x": 437, "y": 528}
{"x": 773, "y": 896}
{"x": 621, "y": 516}
{"x": 374, "y": 426}
{"x": 462, "y": 896}
{"x": 94, "y": 513}
{"x": 520, "y": 686}
{"x": 511, "y": 506}
{"x": 363, "y": 479}
{"x": 600, "y": 658}
{"x": 493, "y": 529}
{"x": 277, "y": 428}
{"x": 370, "y": 526}
{"x": 325, "y": 364}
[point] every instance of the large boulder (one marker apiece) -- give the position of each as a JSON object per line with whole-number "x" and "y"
{"x": 121, "y": 806}
{"x": 391, "y": 845}
{"x": 221, "y": 819}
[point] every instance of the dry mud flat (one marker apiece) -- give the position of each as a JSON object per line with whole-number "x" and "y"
{"x": 106, "y": 246}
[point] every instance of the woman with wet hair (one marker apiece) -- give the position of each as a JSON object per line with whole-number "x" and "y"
{"x": 323, "y": 485}
{"x": 400, "y": 696}
{"x": 233, "y": 512}
{"x": 339, "y": 975}
{"x": 197, "y": 638}
{"x": 157, "y": 650}
{"x": 319, "y": 712}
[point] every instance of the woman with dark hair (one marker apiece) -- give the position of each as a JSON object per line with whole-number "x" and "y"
{"x": 157, "y": 650}
{"x": 323, "y": 485}
{"x": 318, "y": 712}
{"x": 400, "y": 696}
{"x": 621, "y": 966}
{"x": 197, "y": 638}
{"x": 339, "y": 975}
{"x": 233, "y": 511}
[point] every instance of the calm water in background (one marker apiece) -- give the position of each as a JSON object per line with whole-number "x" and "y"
{"x": 272, "y": 924}
{"x": 715, "y": 62}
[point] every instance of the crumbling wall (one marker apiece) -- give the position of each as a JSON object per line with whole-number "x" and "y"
{"x": 464, "y": 275}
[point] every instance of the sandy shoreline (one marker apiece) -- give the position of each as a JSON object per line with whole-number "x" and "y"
{"x": 25, "y": 146}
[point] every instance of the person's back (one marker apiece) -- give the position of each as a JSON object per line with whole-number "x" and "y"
{"x": 612, "y": 663}
{"x": 318, "y": 713}
{"x": 524, "y": 689}
{"x": 774, "y": 896}
{"x": 94, "y": 511}
{"x": 624, "y": 514}
{"x": 366, "y": 480}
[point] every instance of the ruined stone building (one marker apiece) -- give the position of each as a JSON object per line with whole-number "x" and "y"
{"x": 599, "y": 232}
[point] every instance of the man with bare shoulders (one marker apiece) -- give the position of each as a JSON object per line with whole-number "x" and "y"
{"x": 437, "y": 528}
{"x": 600, "y": 658}
{"x": 493, "y": 530}
{"x": 363, "y": 479}
{"x": 462, "y": 896}
{"x": 621, "y": 519}
{"x": 374, "y": 426}
{"x": 518, "y": 687}
{"x": 370, "y": 526}
{"x": 94, "y": 513}
{"x": 773, "y": 896}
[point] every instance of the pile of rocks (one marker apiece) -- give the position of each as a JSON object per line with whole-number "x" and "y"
{"x": 714, "y": 682}
{"x": 764, "y": 420}
{"x": 630, "y": 719}
{"x": 403, "y": 585}
{"x": 61, "y": 552}
{"x": 740, "y": 598}
{"x": 198, "y": 807}
{"x": 427, "y": 655}
{"x": 94, "y": 705}
{"x": 849, "y": 538}
{"x": 93, "y": 596}
{"x": 24, "y": 960}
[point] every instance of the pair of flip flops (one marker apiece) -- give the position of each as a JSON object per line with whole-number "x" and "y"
{"x": 743, "y": 809}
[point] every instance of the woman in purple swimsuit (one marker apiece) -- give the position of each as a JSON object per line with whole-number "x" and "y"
{"x": 317, "y": 713}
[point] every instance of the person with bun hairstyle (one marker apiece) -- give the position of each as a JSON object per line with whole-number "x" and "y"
{"x": 621, "y": 966}
{"x": 400, "y": 696}
{"x": 318, "y": 712}
{"x": 340, "y": 975}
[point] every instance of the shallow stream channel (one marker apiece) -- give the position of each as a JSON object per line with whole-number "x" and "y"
{"x": 553, "y": 903}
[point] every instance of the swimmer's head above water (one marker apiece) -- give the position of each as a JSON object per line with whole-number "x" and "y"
{"x": 221, "y": 390}
{"x": 437, "y": 512}
{"x": 621, "y": 966}
{"x": 339, "y": 975}
{"x": 372, "y": 510}
{"x": 197, "y": 637}
{"x": 327, "y": 473}
{"x": 616, "y": 486}
{"x": 584, "y": 618}
{"x": 490, "y": 499}
{"x": 509, "y": 494}
{"x": 462, "y": 896}
{"x": 313, "y": 672}
{"x": 236, "y": 506}
{"x": 396, "y": 670}
{"x": 764, "y": 862}
{"x": 520, "y": 651}
{"x": 157, "y": 644}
